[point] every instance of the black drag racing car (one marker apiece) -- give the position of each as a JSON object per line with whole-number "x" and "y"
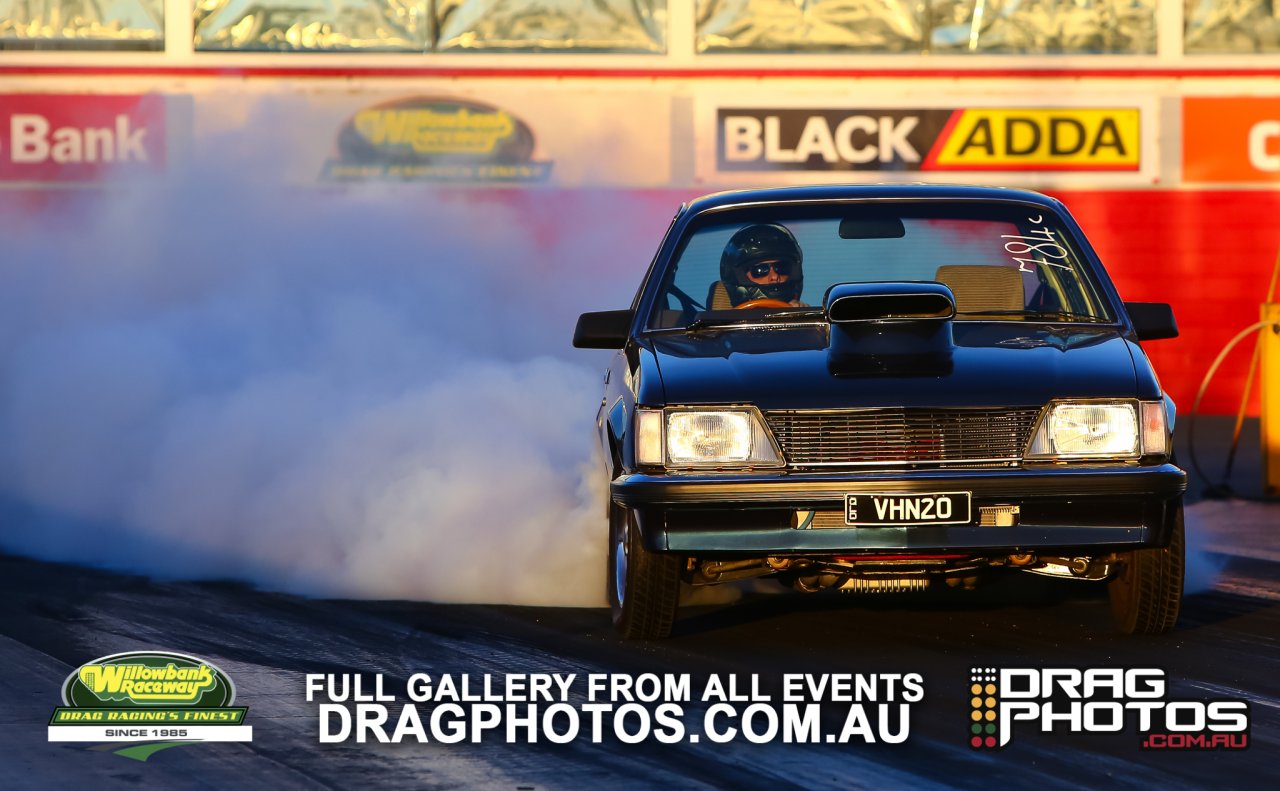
{"x": 882, "y": 388}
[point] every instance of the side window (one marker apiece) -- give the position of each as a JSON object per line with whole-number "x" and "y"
{"x": 698, "y": 266}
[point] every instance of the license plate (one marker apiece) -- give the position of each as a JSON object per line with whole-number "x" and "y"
{"x": 934, "y": 508}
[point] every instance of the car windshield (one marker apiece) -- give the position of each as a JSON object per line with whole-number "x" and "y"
{"x": 1002, "y": 261}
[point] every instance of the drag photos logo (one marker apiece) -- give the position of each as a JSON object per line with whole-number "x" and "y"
{"x": 984, "y": 716}
{"x": 149, "y": 697}
{"x": 1098, "y": 700}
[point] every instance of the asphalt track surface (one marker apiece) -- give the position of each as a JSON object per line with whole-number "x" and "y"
{"x": 53, "y": 618}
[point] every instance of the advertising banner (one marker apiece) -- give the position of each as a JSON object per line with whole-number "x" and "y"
{"x": 440, "y": 132}
{"x": 1078, "y": 138}
{"x": 806, "y": 139}
{"x": 1231, "y": 139}
{"x": 429, "y": 139}
{"x": 80, "y": 137}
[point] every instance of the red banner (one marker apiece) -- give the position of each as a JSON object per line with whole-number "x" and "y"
{"x": 1231, "y": 139}
{"x": 80, "y": 137}
{"x": 1210, "y": 254}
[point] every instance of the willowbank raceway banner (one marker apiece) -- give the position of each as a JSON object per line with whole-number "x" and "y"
{"x": 295, "y": 454}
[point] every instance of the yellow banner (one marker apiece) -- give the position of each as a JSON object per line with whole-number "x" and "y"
{"x": 1011, "y": 138}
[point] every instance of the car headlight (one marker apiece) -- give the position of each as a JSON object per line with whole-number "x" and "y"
{"x": 1100, "y": 430}
{"x": 705, "y": 437}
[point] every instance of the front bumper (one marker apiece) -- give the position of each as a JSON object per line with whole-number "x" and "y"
{"x": 1064, "y": 508}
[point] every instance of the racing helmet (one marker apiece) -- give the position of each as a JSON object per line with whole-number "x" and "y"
{"x": 753, "y": 245}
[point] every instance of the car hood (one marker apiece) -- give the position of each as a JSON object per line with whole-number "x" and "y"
{"x": 992, "y": 364}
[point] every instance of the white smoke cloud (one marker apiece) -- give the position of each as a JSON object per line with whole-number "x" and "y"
{"x": 1203, "y": 567}
{"x": 363, "y": 392}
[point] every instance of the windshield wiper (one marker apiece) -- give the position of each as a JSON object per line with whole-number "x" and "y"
{"x": 748, "y": 319}
{"x": 811, "y": 313}
{"x": 711, "y": 324}
{"x": 1046, "y": 314}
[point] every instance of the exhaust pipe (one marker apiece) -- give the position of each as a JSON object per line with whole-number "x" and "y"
{"x": 885, "y": 585}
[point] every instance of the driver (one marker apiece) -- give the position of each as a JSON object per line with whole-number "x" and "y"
{"x": 762, "y": 261}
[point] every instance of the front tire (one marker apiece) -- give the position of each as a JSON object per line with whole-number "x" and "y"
{"x": 644, "y": 586}
{"x": 1147, "y": 594}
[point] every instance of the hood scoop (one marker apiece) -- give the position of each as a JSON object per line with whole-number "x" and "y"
{"x": 890, "y": 329}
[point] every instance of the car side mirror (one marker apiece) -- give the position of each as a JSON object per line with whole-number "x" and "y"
{"x": 1152, "y": 321}
{"x": 606, "y": 329}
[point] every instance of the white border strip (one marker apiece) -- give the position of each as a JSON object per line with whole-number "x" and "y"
{"x": 150, "y": 733}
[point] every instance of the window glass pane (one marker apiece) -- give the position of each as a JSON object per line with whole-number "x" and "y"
{"x": 293, "y": 25}
{"x": 1227, "y": 26}
{"x": 944, "y": 26}
{"x": 1122, "y": 27}
{"x": 82, "y": 24}
{"x": 554, "y": 25}
{"x": 809, "y": 25}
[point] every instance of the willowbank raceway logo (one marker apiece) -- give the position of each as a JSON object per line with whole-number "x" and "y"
{"x": 154, "y": 699}
{"x": 1098, "y": 700}
{"x": 435, "y": 139}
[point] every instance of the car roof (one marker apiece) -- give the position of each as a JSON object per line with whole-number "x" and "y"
{"x": 869, "y": 192}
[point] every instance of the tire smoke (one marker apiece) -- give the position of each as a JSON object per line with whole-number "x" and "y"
{"x": 361, "y": 393}
{"x": 1203, "y": 566}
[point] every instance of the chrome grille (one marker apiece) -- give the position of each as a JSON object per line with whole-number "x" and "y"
{"x": 897, "y": 437}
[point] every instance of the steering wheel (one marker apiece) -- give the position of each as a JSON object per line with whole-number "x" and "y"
{"x": 763, "y": 303}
